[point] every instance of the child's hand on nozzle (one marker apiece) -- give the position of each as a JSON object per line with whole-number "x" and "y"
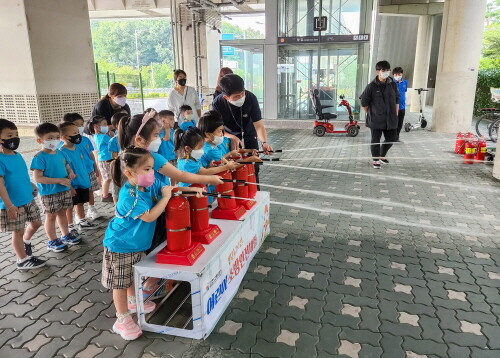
{"x": 166, "y": 191}
{"x": 233, "y": 165}
{"x": 65, "y": 182}
{"x": 215, "y": 180}
{"x": 234, "y": 153}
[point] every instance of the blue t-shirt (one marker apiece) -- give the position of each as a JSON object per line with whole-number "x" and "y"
{"x": 188, "y": 165}
{"x": 403, "y": 88}
{"x": 52, "y": 166}
{"x": 76, "y": 157}
{"x": 211, "y": 152}
{"x": 225, "y": 146}
{"x": 102, "y": 142}
{"x": 113, "y": 145}
{"x": 87, "y": 148}
{"x": 160, "y": 161}
{"x": 16, "y": 178}
{"x": 167, "y": 146}
{"x": 131, "y": 234}
{"x": 187, "y": 124}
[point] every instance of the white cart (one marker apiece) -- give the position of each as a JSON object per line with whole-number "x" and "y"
{"x": 214, "y": 278}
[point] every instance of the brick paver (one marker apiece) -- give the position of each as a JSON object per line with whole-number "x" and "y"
{"x": 399, "y": 262}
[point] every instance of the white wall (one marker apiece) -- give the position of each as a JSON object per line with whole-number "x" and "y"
{"x": 16, "y": 72}
{"x": 61, "y": 46}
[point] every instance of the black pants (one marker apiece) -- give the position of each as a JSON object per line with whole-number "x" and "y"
{"x": 401, "y": 119}
{"x": 253, "y": 143}
{"x": 380, "y": 150}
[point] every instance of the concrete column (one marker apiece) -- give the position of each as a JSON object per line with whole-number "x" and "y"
{"x": 46, "y": 63}
{"x": 459, "y": 53}
{"x": 496, "y": 163}
{"x": 422, "y": 58}
{"x": 271, "y": 62}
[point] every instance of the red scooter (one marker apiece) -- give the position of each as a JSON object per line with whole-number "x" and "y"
{"x": 322, "y": 124}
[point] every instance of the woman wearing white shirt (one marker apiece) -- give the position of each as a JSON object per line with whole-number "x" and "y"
{"x": 183, "y": 95}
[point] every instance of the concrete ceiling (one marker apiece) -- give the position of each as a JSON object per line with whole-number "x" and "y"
{"x": 106, "y": 9}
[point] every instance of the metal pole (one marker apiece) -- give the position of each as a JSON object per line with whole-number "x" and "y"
{"x": 136, "y": 49}
{"x": 98, "y": 80}
{"x": 142, "y": 91}
{"x": 107, "y": 76}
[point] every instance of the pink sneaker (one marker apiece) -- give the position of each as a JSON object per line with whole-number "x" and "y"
{"x": 128, "y": 329}
{"x": 149, "y": 306}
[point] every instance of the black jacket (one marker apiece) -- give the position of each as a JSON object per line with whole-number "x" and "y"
{"x": 381, "y": 98}
{"x": 104, "y": 108}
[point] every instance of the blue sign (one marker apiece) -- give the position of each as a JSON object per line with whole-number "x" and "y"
{"x": 227, "y": 36}
{"x": 227, "y": 50}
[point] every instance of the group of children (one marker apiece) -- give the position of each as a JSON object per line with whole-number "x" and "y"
{"x": 142, "y": 157}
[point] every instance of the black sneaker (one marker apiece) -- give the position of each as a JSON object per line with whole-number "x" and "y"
{"x": 376, "y": 164}
{"x": 384, "y": 161}
{"x": 28, "y": 249}
{"x": 31, "y": 263}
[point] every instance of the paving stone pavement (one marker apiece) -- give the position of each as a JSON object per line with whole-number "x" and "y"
{"x": 370, "y": 273}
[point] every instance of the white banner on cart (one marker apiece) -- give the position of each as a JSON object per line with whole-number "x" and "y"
{"x": 222, "y": 278}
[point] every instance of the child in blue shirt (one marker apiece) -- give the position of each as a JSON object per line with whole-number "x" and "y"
{"x": 141, "y": 201}
{"x": 53, "y": 175}
{"x": 81, "y": 183}
{"x": 114, "y": 146}
{"x": 17, "y": 204}
{"x": 99, "y": 128}
{"x": 187, "y": 117}
{"x": 402, "y": 88}
{"x": 189, "y": 146}
{"x": 212, "y": 127}
{"x": 167, "y": 118}
{"x": 88, "y": 151}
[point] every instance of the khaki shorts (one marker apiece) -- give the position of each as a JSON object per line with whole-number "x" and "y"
{"x": 27, "y": 213}
{"x": 117, "y": 269}
{"x": 94, "y": 183}
{"x": 105, "y": 169}
{"x": 53, "y": 203}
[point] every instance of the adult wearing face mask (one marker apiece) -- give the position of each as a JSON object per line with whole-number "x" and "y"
{"x": 397, "y": 73}
{"x": 380, "y": 100}
{"x": 241, "y": 113}
{"x": 114, "y": 101}
{"x": 182, "y": 95}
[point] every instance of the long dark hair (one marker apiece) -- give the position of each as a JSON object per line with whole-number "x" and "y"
{"x": 210, "y": 121}
{"x": 223, "y": 71}
{"x": 127, "y": 129}
{"x": 130, "y": 158}
{"x": 188, "y": 138}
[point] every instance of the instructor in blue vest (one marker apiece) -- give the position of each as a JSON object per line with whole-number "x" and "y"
{"x": 397, "y": 74}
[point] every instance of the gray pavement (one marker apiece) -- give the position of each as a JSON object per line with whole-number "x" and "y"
{"x": 341, "y": 277}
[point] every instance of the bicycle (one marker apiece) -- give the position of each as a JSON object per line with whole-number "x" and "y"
{"x": 484, "y": 123}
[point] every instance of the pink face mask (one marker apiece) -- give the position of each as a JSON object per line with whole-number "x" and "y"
{"x": 146, "y": 180}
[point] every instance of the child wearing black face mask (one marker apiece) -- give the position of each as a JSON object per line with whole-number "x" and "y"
{"x": 80, "y": 185}
{"x": 17, "y": 204}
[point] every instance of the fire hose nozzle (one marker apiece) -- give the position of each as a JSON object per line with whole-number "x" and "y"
{"x": 271, "y": 159}
{"x": 272, "y": 151}
{"x": 232, "y": 181}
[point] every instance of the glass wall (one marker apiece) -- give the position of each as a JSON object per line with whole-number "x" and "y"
{"x": 296, "y": 17}
{"x": 247, "y": 61}
{"x": 299, "y": 71}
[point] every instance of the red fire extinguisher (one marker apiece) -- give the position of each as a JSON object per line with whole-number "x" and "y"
{"x": 252, "y": 188}
{"x": 460, "y": 143}
{"x": 481, "y": 149}
{"x": 178, "y": 224}
{"x": 201, "y": 230}
{"x": 470, "y": 151}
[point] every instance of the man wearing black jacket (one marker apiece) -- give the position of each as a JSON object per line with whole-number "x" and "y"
{"x": 380, "y": 100}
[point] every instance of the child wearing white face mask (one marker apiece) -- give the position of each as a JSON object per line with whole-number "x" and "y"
{"x": 189, "y": 148}
{"x": 53, "y": 175}
{"x": 100, "y": 129}
{"x": 186, "y": 112}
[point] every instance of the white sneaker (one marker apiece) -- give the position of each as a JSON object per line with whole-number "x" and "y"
{"x": 92, "y": 213}
{"x": 87, "y": 225}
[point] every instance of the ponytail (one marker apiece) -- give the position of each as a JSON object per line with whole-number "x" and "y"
{"x": 89, "y": 126}
{"x": 191, "y": 137}
{"x": 128, "y": 127}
